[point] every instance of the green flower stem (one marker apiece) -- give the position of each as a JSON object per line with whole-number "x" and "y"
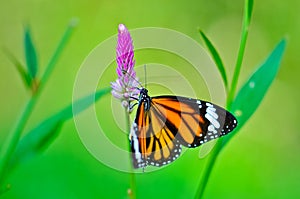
{"x": 12, "y": 140}
{"x": 132, "y": 189}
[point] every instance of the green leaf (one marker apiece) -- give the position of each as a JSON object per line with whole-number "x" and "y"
{"x": 30, "y": 54}
{"x": 45, "y": 133}
{"x": 20, "y": 68}
{"x": 216, "y": 57}
{"x": 254, "y": 90}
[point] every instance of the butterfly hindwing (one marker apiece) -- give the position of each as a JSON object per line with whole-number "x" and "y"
{"x": 152, "y": 140}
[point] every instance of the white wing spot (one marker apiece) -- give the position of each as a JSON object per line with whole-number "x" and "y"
{"x": 212, "y": 120}
{"x": 209, "y": 104}
{"x": 212, "y": 112}
{"x": 210, "y": 128}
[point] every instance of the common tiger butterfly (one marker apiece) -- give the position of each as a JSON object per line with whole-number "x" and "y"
{"x": 164, "y": 123}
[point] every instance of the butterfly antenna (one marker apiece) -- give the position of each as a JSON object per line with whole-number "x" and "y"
{"x": 145, "y": 73}
{"x": 125, "y": 72}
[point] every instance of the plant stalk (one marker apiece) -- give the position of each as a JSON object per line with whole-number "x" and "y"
{"x": 208, "y": 168}
{"x": 132, "y": 189}
{"x": 12, "y": 140}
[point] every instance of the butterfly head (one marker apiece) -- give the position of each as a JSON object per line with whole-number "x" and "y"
{"x": 145, "y": 98}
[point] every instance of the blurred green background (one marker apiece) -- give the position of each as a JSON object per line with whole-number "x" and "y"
{"x": 262, "y": 161}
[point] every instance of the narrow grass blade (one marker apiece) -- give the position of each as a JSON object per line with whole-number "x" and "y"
{"x": 20, "y": 68}
{"x": 30, "y": 54}
{"x": 216, "y": 58}
{"x": 58, "y": 51}
{"x": 246, "y": 22}
{"x": 254, "y": 90}
{"x": 249, "y": 6}
{"x": 45, "y": 133}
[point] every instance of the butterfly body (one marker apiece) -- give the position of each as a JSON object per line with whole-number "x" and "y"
{"x": 164, "y": 123}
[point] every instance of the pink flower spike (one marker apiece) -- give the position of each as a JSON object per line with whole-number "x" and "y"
{"x": 125, "y": 88}
{"x": 125, "y": 55}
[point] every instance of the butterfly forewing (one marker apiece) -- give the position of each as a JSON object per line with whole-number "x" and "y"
{"x": 183, "y": 116}
{"x": 200, "y": 121}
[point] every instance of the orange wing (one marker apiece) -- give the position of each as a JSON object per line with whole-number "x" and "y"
{"x": 169, "y": 122}
{"x": 152, "y": 142}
